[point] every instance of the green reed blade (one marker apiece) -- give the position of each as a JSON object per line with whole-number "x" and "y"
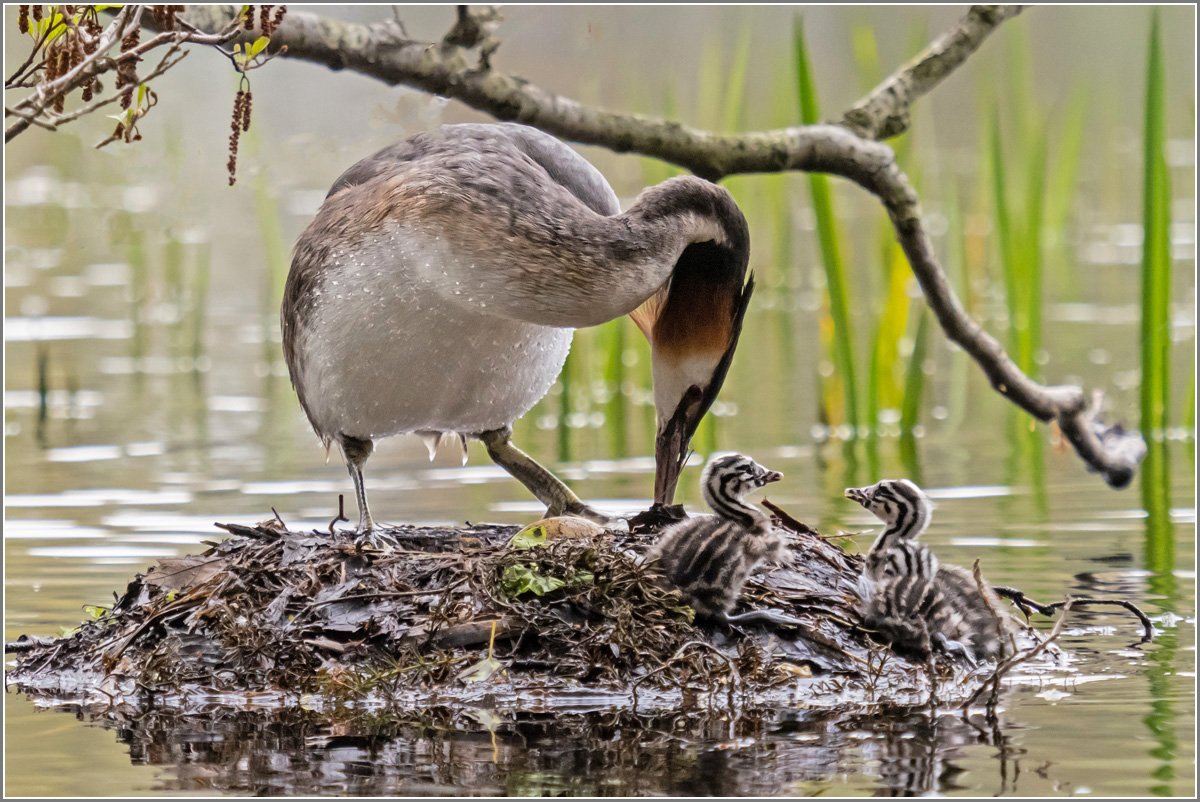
{"x": 733, "y": 118}
{"x": 914, "y": 379}
{"x": 1189, "y": 405}
{"x": 893, "y": 324}
{"x": 1031, "y": 243}
{"x": 827, "y": 235}
{"x": 173, "y": 256}
{"x": 1159, "y": 548}
{"x": 43, "y": 384}
{"x": 865, "y": 48}
{"x": 1004, "y": 236}
{"x": 614, "y": 379}
{"x": 1156, "y": 246}
{"x": 1060, "y": 190}
{"x": 873, "y": 371}
{"x": 200, "y": 281}
{"x": 960, "y": 276}
{"x": 710, "y": 102}
{"x": 566, "y": 381}
{"x": 275, "y": 252}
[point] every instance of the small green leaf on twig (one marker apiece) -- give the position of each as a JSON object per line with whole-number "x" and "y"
{"x": 53, "y": 24}
{"x": 259, "y": 45}
{"x": 125, "y": 118}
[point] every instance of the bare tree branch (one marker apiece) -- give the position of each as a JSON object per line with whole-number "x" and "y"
{"x": 848, "y": 150}
{"x": 883, "y": 113}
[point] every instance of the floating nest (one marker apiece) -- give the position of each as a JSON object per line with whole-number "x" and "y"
{"x": 532, "y": 622}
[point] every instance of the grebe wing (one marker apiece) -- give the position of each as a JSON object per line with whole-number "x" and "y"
{"x": 563, "y": 165}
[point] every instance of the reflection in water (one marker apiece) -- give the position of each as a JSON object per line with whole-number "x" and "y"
{"x": 1025, "y": 465}
{"x": 274, "y": 752}
{"x": 1159, "y": 551}
{"x": 1160, "y": 561}
{"x": 1160, "y": 719}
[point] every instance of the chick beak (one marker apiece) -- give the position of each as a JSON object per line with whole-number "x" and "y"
{"x": 673, "y": 442}
{"x": 770, "y": 476}
{"x": 856, "y": 494}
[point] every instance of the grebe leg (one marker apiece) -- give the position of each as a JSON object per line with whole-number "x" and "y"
{"x": 355, "y": 451}
{"x": 547, "y": 487}
{"x": 761, "y": 616}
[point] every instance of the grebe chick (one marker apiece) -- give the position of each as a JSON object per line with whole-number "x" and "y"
{"x": 708, "y": 558}
{"x": 914, "y": 601}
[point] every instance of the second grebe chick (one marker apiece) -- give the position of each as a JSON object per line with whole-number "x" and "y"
{"x": 708, "y": 558}
{"x": 914, "y": 601}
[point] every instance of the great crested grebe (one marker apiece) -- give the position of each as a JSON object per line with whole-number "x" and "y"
{"x": 708, "y": 558}
{"x": 437, "y": 289}
{"x": 913, "y": 600}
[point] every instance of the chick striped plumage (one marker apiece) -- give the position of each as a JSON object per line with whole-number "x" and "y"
{"x": 708, "y": 558}
{"x": 915, "y": 602}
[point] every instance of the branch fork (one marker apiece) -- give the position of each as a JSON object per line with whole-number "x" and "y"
{"x": 849, "y": 148}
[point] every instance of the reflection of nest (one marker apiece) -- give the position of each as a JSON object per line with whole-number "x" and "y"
{"x": 465, "y": 750}
{"x": 458, "y": 612}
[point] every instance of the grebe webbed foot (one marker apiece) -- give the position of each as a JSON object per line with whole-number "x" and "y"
{"x": 954, "y": 649}
{"x": 374, "y": 538}
{"x": 545, "y": 486}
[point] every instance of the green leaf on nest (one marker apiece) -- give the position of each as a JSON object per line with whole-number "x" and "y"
{"x": 530, "y": 536}
{"x": 520, "y": 579}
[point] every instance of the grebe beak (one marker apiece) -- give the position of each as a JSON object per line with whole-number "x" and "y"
{"x": 857, "y": 494}
{"x": 673, "y": 442}
{"x": 693, "y": 329}
{"x": 770, "y": 476}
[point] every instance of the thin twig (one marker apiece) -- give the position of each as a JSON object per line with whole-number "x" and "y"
{"x": 1026, "y": 604}
{"x": 1005, "y": 665}
{"x": 341, "y": 516}
{"x": 390, "y": 594}
{"x": 29, "y": 118}
{"x": 1023, "y": 602}
{"x": 98, "y": 63}
{"x": 20, "y": 74}
{"x": 788, "y": 521}
{"x": 675, "y": 657}
{"x": 1147, "y": 624}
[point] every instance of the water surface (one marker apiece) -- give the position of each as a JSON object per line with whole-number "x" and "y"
{"x": 146, "y": 398}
